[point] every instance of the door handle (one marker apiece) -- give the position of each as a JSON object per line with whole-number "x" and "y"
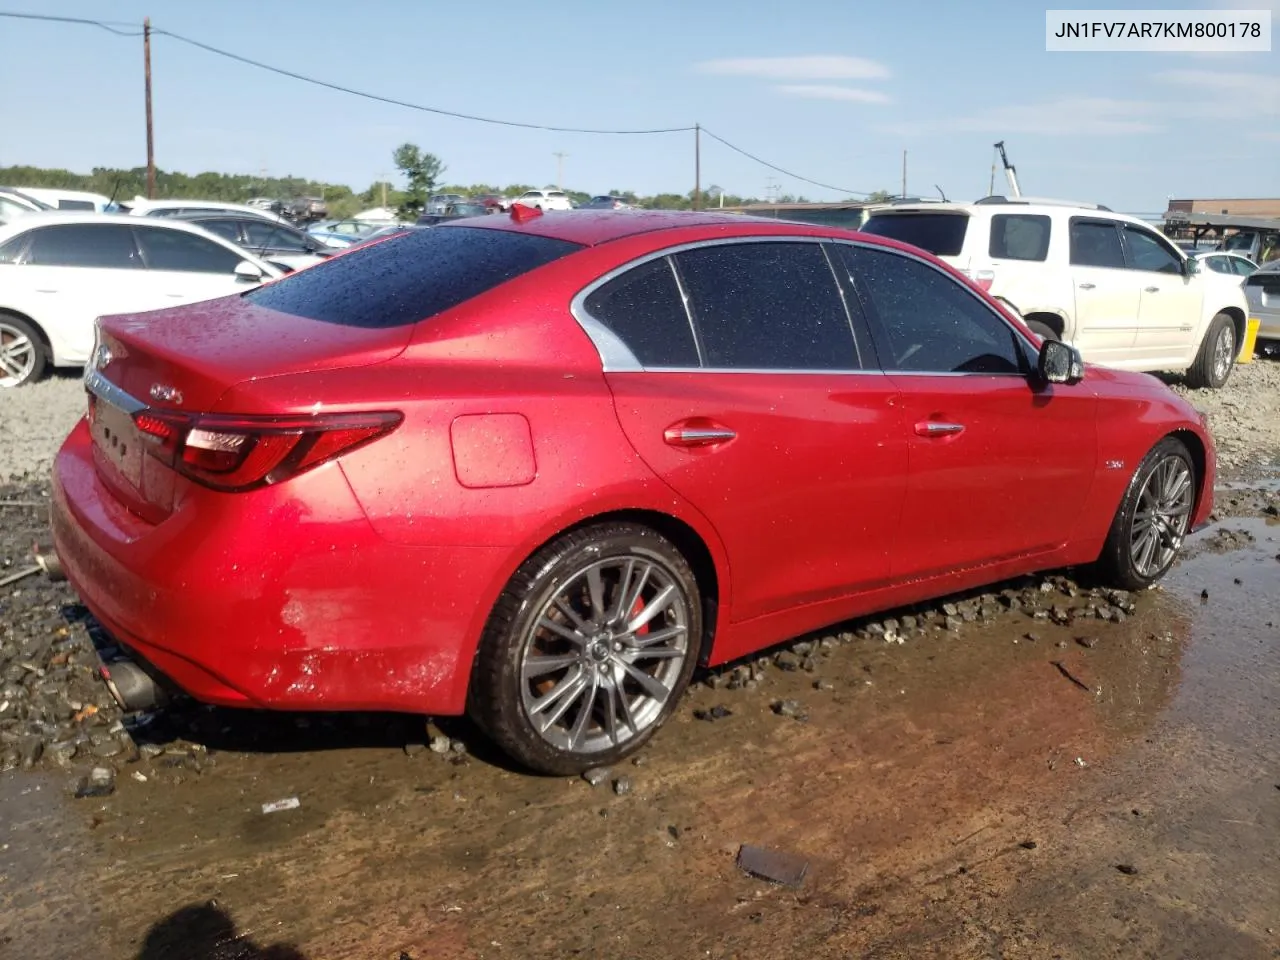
{"x": 1087, "y": 286}
{"x": 1150, "y": 289}
{"x": 697, "y": 434}
{"x": 47, "y": 291}
{"x": 936, "y": 428}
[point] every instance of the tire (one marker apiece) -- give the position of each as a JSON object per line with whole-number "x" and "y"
{"x": 536, "y": 713}
{"x": 24, "y": 358}
{"x": 1044, "y": 331}
{"x": 1217, "y": 356}
{"x": 1164, "y": 485}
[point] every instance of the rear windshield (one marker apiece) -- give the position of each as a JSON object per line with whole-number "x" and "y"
{"x": 942, "y": 234}
{"x": 410, "y": 277}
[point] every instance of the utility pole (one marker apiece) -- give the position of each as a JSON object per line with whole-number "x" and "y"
{"x": 559, "y": 169}
{"x": 697, "y": 166}
{"x": 151, "y": 143}
{"x": 904, "y": 174}
{"x": 991, "y": 189}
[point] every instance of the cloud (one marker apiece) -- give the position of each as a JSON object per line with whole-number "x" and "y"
{"x": 825, "y": 91}
{"x": 815, "y": 67}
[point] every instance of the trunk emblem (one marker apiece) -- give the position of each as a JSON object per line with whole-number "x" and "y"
{"x": 165, "y": 393}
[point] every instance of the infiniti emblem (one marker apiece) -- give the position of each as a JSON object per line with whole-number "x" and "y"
{"x": 165, "y": 393}
{"x": 102, "y": 357}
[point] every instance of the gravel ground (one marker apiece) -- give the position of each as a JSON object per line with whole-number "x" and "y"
{"x": 33, "y": 421}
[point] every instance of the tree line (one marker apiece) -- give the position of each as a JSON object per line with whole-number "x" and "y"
{"x": 423, "y": 173}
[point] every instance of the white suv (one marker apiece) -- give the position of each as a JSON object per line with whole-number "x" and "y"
{"x": 546, "y": 199}
{"x": 1109, "y": 284}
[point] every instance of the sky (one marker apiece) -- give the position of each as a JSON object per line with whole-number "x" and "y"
{"x": 832, "y": 91}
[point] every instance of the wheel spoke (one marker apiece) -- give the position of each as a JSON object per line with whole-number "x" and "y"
{"x": 652, "y": 608}
{"x": 595, "y": 587}
{"x": 562, "y": 631}
{"x": 641, "y": 641}
{"x": 578, "y": 623}
{"x": 541, "y": 666}
{"x": 611, "y": 698}
{"x": 560, "y": 702}
{"x": 652, "y": 685}
{"x": 585, "y": 711}
{"x": 663, "y": 653}
{"x": 11, "y": 367}
{"x": 624, "y": 588}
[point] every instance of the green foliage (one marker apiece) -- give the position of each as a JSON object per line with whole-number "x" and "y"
{"x": 880, "y": 196}
{"x": 421, "y": 170}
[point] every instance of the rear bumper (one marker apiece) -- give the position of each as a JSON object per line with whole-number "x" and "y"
{"x": 282, "y": 598}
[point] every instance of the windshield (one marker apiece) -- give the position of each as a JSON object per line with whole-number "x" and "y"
{"x": 942, "y": 234}
{"x": 1240, "y": 241}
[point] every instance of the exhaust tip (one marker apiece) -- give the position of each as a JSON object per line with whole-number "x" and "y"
{"x": 133, "y": 687}
{"x": 51, "y": 566}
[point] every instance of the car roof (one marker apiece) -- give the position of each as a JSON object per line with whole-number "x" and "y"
{"x": 593, "y": 227}
{"x": 1013, "y": 206}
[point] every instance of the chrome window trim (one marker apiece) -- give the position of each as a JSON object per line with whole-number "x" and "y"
{"x": 104, "y": 389}
{"x": 617, "y": 357}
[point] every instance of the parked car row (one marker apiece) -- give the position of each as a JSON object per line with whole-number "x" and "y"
{"x": 331, "y": 493}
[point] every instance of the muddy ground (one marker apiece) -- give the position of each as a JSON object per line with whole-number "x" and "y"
{"x": 1056, "y": 771}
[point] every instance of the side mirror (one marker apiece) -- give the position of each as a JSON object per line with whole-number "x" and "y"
{"x": 1060, "y": 363}
{"x": 247, "y": 272}
{"x": 1190, "y": 266}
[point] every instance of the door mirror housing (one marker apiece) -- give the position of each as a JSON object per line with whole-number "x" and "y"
{"x": 1190, "y": 266}
{"x": 1060, "y": 363}
{"x": 248, "y": 272}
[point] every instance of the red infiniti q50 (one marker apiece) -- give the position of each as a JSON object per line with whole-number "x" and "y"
{"x": 537, "y": 468}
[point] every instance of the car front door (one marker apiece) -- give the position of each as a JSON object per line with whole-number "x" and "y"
{"x": 188, "y": 267}
{"x": 1171, "y": 301}
{"x": 1107, "y": 296}
{"x": 77, "y": 272}
{"x": 743, "y": 386}
{"x": 999, "y": 466}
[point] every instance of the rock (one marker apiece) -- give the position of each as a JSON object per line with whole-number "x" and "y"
{"x": 718, "y": 712}
{"x": 1128, "y": 869}
{"x": 458, "y": 747}
{"x": 1028, "y": 844}
{"x": 1033, "y": 637}
{"x": 596, "y": 775}
{"x": 802, "y": 648}
{"x": 950, "y": 609}
{"x": 150, "y": 751}
{"x": 1087, "y": 642}
{"x": 414, "y": 749}
{"x": 62, "y": 752}
{"x": 30, "y": 749}
{"x": 823, "y": 685}
{"x": 101, "y": 782}
{"x": 106, "y": 749}
{"x": 789, "y": 708}
{"x": 786, "y": 660}
{"x": 715, "y": 681}
{"x": 439, "y": 743}
{"x": 953, "y": 622}
{"x": 622, "y": 786}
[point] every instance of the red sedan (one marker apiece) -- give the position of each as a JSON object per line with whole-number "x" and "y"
{"x": 536, "y": 468}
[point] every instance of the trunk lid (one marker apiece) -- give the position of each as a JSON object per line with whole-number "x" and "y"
{"x": 184, "y": 359}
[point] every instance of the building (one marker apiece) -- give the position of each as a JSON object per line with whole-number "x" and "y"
{"x": 1236, "y": 208}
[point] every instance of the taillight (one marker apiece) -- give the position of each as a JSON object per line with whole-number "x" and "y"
{"x": 235, "y": 453}
{"x": 984, "y": 279}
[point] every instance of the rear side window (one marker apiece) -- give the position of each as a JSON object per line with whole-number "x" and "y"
{"x": 410, "y": 277}
{"x": 942, "y": 234}
{"x": 767, "y": 306}
{"x": 227, "y": 229}
{"x": 167, "y": 249}
{"x": 101, "y": 245}
{"x": 1095, "y": 243}
{"x": 272, "y": 236}
{"x": 9, "y": 252}
{"x": 1019, "y": 236}
{"x": 644, "y": 309}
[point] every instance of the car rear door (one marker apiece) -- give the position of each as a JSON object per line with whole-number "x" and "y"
{"x": 1171, "y": 302}
{"x": 1107, "y": 295}
{"x": 999, "y": 467}
{"x": 739, "y": 380}
{"x": 77, "y": 272}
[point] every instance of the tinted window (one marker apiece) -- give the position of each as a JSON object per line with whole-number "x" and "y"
{"x": 1147, "y": 252}
{"x": 643, "y": 308}
{"x": 1019, "y": 236}
{"x": 84, "y": 245}
{"x": 1095, "y": 244}
{"x": 228, "y": 229}
{"x": 933, "y": 323}
{"x": 10, "y": 251}
{"x": 179, "y": 250}
{"x": 409, "y": 277}
{"x": 1242, "y": 267}
{"x": 767, "y": 306}
{"x": 942, "y": 234}
{"x": 76, "y": 205}
{"x": 1218, "y": 264}
{"x": 272, "y": 236}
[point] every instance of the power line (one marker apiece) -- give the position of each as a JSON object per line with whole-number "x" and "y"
{"x": 108, "y": 25}
{"x": 794, "y": 176}
{"x": 111, "y": 26}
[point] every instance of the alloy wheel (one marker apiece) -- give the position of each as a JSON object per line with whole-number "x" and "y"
{"x": 605, "y": 654}
{"x": 1223, "y": 350}
{"x": 17, "y": 356}
{"x": 1161, "y": 517}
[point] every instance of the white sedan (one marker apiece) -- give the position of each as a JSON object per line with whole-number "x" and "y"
{"x": 61, "y": 271}
{"x": 545, "y": 199}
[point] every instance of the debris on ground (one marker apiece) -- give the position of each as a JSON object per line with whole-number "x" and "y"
{"x": 596, "y": 775}
{"x": 1128, "y": 869}
{"x": 776, "y": 866}
{"x": 622, "y": 786}
{"x": 1062, "y": 669}
{"x": 101, "y": 782}
{"x": 289, "y": 803}
{"x": 718, "y": 712}
{"x": 789, "y": 708}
